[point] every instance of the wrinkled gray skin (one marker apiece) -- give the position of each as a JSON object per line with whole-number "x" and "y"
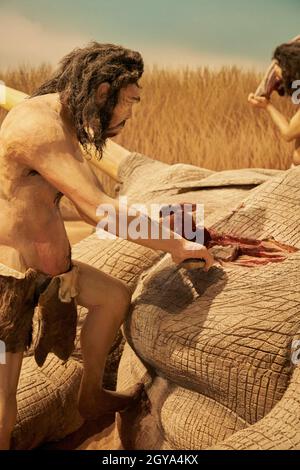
{"x": 214, "y": 350}
{"x": 218, "y": 347}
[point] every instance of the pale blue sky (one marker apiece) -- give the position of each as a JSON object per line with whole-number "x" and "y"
{"x": 167, "y": 32}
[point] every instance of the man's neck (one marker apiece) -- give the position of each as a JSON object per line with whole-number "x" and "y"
{"x": 67, "y": 120}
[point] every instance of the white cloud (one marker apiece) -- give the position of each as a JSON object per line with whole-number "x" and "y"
{"x": 25, "y": 41}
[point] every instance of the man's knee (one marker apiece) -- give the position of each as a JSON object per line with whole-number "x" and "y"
{"x": 121, "y": 295}
{"x": 117, "y": 300}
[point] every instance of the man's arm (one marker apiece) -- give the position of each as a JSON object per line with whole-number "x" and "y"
{"x": 54, "y": 161}
{"x": 289, "y": 130}
{"x": 68, "y": 210}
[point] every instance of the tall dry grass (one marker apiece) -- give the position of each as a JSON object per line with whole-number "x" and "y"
{"x": 200, "y": 117}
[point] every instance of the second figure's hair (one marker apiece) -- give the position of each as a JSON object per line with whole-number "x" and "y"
{"x": 288, "y": 57}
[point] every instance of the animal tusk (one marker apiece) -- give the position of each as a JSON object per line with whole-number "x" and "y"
{"x": 113, "y": 154}
{"x": 10, "y": 97}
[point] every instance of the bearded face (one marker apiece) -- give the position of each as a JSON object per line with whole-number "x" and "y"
{"x": 106, "y": 116}
{"x": 116, "y": 119}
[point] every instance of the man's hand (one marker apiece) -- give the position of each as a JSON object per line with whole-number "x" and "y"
{"x": 188, "y": 232}
{"x": 188, "y": 250}
{"x": 258, "y": 101}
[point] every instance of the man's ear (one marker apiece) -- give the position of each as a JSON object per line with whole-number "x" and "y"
{"x": 102, "y": 92}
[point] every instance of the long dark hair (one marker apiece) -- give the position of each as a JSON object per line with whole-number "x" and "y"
{"x": 288, "y": 58}
{"x": 77, "y": 78}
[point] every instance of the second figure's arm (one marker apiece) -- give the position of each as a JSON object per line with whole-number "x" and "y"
{"x": 289, "y": 129}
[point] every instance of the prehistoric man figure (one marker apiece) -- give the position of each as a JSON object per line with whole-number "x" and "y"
{"x": 286, "y": 70}
{"x": 88, "y": 100}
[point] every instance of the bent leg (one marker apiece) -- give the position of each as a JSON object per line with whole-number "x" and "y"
{"x": 107, "y": 300}
{"x": 9, "y": 377}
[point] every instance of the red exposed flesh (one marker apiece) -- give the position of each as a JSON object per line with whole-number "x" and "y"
{"x": 247, "y": 252}
{"x": 237, "y": 250}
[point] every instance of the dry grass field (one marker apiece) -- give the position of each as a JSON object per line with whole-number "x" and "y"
{"x": 194, "y": 116}
{"x": 198, "y": 117}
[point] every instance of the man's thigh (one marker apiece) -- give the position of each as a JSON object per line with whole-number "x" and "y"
{"x": 95, "y": 287}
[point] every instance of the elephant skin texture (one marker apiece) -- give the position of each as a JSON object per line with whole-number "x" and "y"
{"x": 213, "y": 349}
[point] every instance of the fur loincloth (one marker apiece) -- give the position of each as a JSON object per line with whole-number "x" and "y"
{"x": 52, "y": 298}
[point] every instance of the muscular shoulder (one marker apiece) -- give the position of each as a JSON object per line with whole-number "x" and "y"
{"x": 29, "y": 128}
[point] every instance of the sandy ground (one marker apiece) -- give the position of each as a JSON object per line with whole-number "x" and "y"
{"x": 93, "y": 435}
